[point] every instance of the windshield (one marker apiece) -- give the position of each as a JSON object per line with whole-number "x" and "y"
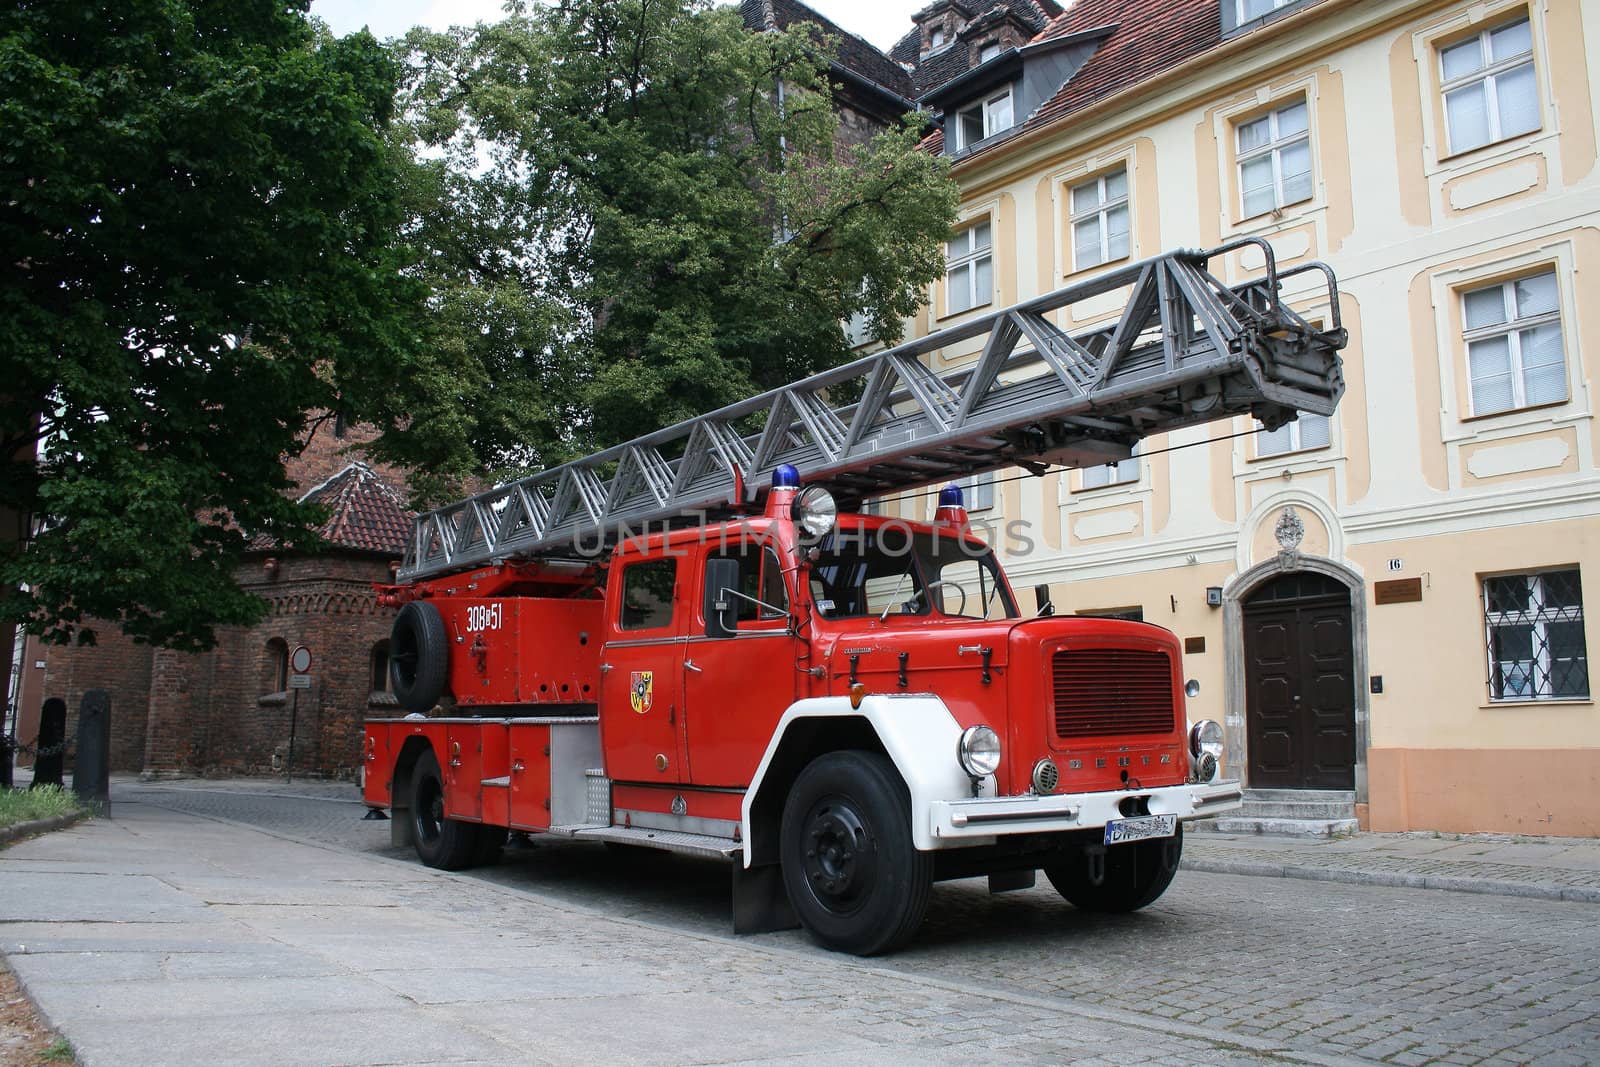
{"x": 894, "y": 571}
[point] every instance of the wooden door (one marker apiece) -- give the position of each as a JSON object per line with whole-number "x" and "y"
{"x": 1300, "y": 685}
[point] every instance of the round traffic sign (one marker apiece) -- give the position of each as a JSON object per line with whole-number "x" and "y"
{"x": 300, "y": 659}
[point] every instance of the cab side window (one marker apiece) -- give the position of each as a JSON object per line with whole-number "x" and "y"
{"x": 760, "y": 579}
{"x": 647, "y": 594}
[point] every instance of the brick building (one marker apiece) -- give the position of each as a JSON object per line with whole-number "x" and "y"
{"x": 231, "y": 709}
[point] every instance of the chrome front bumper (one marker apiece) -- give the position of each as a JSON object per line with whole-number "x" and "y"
{"x": 990, "y": 817}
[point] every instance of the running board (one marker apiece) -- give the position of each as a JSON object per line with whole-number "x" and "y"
{"x": 703, "y": 845}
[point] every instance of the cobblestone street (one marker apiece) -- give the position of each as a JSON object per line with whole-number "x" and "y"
{"x": 1224, "y": 968}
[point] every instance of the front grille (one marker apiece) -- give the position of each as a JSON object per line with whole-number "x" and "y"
{"x": 1100, "y": 691}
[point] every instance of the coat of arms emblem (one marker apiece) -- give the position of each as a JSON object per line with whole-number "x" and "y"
{"x": 641, "y": 690}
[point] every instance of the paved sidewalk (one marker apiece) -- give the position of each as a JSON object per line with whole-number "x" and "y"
{"x": 1549, "y": 868}
{"x": 162, "y": 938}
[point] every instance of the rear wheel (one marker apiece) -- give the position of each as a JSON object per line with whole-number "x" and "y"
{"x": 856, "y": 881}
{"x": 1135, "y": 875}
{"x": 440, "y": 842}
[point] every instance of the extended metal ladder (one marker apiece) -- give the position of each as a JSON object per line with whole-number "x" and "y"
{"x": 1185, "y": 349}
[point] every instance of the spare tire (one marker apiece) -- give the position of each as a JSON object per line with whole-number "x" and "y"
{"x": 419, "y": 656}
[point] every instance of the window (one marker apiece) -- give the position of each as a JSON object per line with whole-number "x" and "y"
{"x": 1274, "y": 153}
{"x": 969, "y": 269}
{"x": 647, "y": 594}
{"x": 978, "y": 491}
{"x": 275, "y": 667}
{"x": 1306, "y": 432}
{"x": 1255, "y": 9}
{"x": 1100, "y": 220}
{"x": 890, "y": 570}
{"x": 380, "y": 667}
{"x": 988, "y": 51}
{"x": 1514, "y": 349}
{"x": 936, "y": 38}
{"x": 857, "y": 329}
{"x": 762, "y": 594}
{"x": 1118, "y": 473}
{"x": 1536, "y": 640}
{"x": 1490, "y": 90}
{"x": 1135, "y": 614}
{"x": 983, "y": 120}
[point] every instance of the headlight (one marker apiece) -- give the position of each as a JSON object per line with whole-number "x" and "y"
{"x": 815, "y": 513}
{"x": 979, "y": 751}
{"x": 1205, "y": 749}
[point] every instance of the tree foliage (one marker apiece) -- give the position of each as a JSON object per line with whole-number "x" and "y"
{"x": 640, "y": 212}
{"x": 197, "y": 215}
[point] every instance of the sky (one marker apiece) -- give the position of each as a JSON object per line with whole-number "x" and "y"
{"x": 883, "y": 22}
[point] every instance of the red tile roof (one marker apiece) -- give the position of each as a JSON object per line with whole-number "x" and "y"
{"x": 365, "y": 512}
{"x": 1149, "y": 38}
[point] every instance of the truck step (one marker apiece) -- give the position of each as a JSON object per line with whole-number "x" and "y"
{"x": 704, "y": 845}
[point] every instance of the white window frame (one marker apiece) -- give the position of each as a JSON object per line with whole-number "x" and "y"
{"x": 1294, "y": 439}
{"x": 1512, "y": 329}
{"x": 1107, "y": 475}
{"x": 1489, "y": 75}
{"x": 1538, "y": 617}
{"x": 978, "y": 491}
{"x": 965, "y": 264}
{"x": 1274, "y": 148}
{"x": 1102, "y": 210}
{"x": 990, "y": 109}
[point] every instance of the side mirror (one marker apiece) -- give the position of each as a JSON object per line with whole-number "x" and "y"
{"x": 1041, "y": 593}
{"x": 721, "y": 612}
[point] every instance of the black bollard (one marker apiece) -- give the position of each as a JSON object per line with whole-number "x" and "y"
{"x": 51, "y": 753}
{"x": 8, "y": 755}
{"x": 91, "y": 768}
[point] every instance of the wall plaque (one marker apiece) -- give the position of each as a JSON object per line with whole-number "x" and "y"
{"x": 1399, "y": 591}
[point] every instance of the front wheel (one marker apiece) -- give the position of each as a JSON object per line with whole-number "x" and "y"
{"x": 440, "y": 842}
{"x": 856, "y": 881}
{"x": 1134, "y": 875}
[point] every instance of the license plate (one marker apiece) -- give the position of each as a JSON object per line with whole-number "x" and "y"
{"x": 1121, "y": 831}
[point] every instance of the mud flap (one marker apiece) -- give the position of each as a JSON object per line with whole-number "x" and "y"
{"x": 760, "y": 903}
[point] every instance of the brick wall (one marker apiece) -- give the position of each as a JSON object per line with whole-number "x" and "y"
{"x": 114, "y": 663}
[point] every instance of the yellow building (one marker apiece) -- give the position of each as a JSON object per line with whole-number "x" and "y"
{"x": 1389, "y": 603}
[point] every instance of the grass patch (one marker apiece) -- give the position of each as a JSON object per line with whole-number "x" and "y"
{"x": 26, "y": 805}
{"x": 60, "y": 1051}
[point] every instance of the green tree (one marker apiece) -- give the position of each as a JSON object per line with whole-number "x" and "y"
{"x": 631, "y": 225}
{"x": 198, "y": 210}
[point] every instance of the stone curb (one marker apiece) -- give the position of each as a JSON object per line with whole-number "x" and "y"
{"x": 1451, "y": 883}
{"x": 19, "y": 830}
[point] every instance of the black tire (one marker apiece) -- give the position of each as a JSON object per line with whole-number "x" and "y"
{"x": 1136, "y": 874}
{"x": 419, "y": 656}
{"x": 440, "y": 842}
{"x": 856, "y": 881}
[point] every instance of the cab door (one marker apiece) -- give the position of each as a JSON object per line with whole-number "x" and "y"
{"x": 641, "y": 720}
{"x": 736, "y": 688}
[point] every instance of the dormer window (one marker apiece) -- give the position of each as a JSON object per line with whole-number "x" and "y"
{"x": 1241, "y": 15}
{"x": 936, "y": 38}
{"x": 983, "y": 119}
{"x": 1256, "y": 9}
{"x": 988, "y": 51}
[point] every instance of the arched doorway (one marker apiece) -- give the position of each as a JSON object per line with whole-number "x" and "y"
{"x": 1299, "y": 683}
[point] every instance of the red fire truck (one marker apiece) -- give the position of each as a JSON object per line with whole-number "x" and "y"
{"x": 645, "y": 647}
